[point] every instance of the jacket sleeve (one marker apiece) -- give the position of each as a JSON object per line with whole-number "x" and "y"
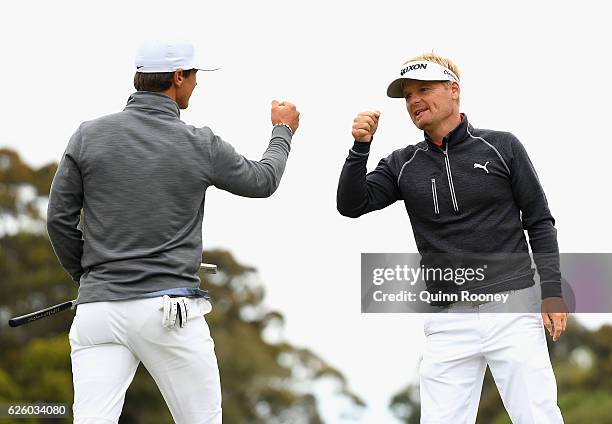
{"x": 234, "y": 173}
{"x": 360, "y": 192}
{"x": 64, "y": 210}
{"x": 536, "y": 218}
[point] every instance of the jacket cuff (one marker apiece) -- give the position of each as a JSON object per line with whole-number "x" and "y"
{"x": 551, "y": 289}
{"x": 360, "y": 147}
{"x": 281, "y": 131}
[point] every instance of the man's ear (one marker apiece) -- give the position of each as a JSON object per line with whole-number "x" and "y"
{"x": 178, "y": 77}
{"x": 455, "y": 90}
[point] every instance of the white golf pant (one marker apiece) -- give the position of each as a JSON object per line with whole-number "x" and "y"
{"x": 109, "y": 339}
{"x": 461, "y": 343}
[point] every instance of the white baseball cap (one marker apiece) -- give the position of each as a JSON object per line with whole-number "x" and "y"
{"x": 421, "y": 70}
{"x": 166, "y": 56}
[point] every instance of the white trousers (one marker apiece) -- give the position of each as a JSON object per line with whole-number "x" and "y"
{"x": 109, "y": 339}
{"x": 461, "y": 343}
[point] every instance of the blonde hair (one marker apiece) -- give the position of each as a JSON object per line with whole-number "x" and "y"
{"x": 432, "y": 57}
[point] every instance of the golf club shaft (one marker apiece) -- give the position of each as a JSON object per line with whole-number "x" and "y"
{"x": 52, "y": 310}
{"x": 33, "y": 316}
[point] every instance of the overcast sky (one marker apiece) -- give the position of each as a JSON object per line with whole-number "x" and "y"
{"x": 537, "y": 69}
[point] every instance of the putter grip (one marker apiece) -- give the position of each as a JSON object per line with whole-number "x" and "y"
{"x": 33, "y": 316}
{"x": 208, "y": 268}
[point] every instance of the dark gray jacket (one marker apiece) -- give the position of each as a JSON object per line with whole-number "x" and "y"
{"x": 475, "y": 195}
{"x": 140, "y": 177}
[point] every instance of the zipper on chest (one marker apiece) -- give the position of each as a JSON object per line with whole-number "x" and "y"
{"x": 434, "y": 193}
{"x": 449, "y": 174}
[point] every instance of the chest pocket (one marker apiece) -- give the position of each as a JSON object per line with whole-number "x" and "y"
{"x": 422, "y": 185}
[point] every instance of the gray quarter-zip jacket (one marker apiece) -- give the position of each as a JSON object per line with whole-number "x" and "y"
{"x": 140, "y": 177}
{"x": 468, "y": 201}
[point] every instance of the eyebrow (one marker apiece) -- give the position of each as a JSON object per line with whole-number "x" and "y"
{"x": 425, "y": 84}
{"x": 406, "y": 91}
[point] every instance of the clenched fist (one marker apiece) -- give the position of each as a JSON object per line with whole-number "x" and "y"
{"x": 285, "y": 113}
{"x": 364, "y": 126}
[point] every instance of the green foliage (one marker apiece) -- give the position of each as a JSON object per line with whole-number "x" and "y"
{"x": 262, "y": 381}
{"x": 15, "y": 174}
{"x": 405, "y": 405}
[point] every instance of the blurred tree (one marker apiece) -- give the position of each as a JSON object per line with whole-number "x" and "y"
{"x": 264, "y": 380}
{"x": 582, "y": 361}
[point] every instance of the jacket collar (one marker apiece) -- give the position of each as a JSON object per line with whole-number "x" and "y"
{"x": 153, "y": 101}
{"x": 454, "y": 137}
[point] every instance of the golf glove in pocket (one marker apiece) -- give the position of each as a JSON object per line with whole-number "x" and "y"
{"x": 175, "y": 310}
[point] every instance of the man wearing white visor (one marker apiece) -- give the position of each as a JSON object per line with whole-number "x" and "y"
{"x": 468, "y": 191}
{"x": 140, "y": 178}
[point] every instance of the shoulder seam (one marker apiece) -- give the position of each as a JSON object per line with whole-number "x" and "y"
{"x": 492, "y": 147}
{"x": 410, "y": 160}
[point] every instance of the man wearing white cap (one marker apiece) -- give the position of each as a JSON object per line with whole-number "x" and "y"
{"x": 140, "y": 177}
{"x": 468, "y": 191}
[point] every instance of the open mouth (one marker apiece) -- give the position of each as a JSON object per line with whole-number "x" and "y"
{"x": 419, "y": 112}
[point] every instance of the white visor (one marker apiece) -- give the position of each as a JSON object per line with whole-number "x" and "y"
{"x": 421, "y": 70}
{"x": 166, "y": 56}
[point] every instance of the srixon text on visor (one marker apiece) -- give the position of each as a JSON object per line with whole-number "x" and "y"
{"x": 413, "y": 67}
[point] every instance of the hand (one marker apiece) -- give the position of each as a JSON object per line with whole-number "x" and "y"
{"x": 365, "y": 125}
{"x": 285, "y": 113}
{"x": 554, "y": 314}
